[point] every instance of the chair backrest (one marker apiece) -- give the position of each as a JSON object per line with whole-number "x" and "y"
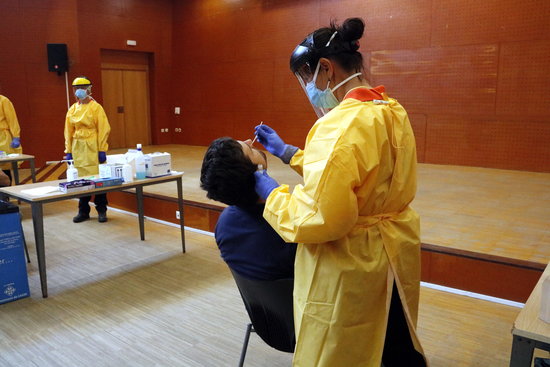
{"x": 269, "y": 306}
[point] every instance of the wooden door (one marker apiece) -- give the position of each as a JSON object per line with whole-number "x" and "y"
{"x": 125, "y": 79}
{"x": 136, "y": 107}
{"x": 112, "y": 101}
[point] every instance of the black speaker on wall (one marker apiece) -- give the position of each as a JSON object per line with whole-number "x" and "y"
{"x": 57, "y": 57}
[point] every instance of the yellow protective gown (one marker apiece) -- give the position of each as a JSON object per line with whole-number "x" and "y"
{"x": 86, "y": 133}
{"x": 9, "y": 128}
{"x": 356, "y": 233}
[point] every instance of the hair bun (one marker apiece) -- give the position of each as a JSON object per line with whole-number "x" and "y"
{"x": 351, "y": 30}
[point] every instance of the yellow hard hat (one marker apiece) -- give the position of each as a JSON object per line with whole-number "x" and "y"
{"x": 81, "y": 81}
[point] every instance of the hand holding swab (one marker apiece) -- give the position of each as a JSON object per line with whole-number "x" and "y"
{"x": 256, "y": 136}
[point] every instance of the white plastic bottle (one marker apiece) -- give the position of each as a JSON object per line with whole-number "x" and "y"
{"x": 72, "y": 173}
{"x": 140, "y": 164}
{"x": 127, "y": 175}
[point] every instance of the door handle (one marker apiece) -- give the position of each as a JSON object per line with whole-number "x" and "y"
{"x": 120, "y": 109}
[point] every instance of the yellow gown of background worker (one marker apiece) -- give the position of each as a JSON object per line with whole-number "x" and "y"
{"x": 86, "y": 131}
{"x": 356, "y": 232}
{"x": 9, "y": 128}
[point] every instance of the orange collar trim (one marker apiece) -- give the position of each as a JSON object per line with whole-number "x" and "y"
{"x": 364, "y": 94}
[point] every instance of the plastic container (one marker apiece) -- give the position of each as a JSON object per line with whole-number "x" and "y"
{"x": 127, "y": 173}
{"x": 140, "y": 164}
{"x": 72, "y": 172}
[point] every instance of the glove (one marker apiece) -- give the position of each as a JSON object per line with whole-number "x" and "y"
{"x": 264, "y": 184}
{"x": 15, "y": 143}
{"x": 270, "y": 140}
{"x": 69, "y": 157}
{"x": 102, "y": 157}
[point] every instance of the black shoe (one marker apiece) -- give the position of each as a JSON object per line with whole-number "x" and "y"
{"x": 81, "y": 217}
{"x": 102, "y": 217}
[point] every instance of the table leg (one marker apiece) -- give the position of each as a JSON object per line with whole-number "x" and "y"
{"x": 139, "y": 198}
{"x": 522, "y": 352}
{"x": 38, "y": 224}
{"x": 33, "y": 170}
{"x": 180, "y": 208}
{"x": 15, "y": 170}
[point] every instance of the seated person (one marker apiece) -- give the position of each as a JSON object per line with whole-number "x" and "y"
{"x": 246, "y": 241}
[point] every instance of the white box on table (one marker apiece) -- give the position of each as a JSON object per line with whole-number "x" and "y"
{"x": 158, "y": 164}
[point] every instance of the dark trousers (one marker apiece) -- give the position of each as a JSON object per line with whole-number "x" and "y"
{"x": 398, "y": 347}
{"x": 8, "y": 173}
{"x": 100, "y": 202}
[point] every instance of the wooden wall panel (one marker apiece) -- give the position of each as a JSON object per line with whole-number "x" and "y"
{"x": 445, "y": 61}
{"x": 48, "y": 26}
{"x": 419, "y": 125}
{"x": 524, "y": 82}
{"x": 390, "y": 25}
{"x": 484, "y": 277}
{"x": 518, "y": 144}
{"x": 200, "y": 128}
{"x": 226, "y": 64}
{"x": 450, "y": 80}
{"x": 13, "y": 35}
{"x": 469, "y": 22}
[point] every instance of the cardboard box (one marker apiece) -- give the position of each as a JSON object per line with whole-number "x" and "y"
{"x": 14, "y": 283}
{"x": 110, "y": 170}
{"x": 106, "y": 182}
{"x": 104, "y": 171}
{"x": 128, "y": 157}
{"x": 158, "y": 164}
{"x": 78, "y": 185}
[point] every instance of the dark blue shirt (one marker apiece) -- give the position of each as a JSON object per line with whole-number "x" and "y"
{"x": 251, "y": 247}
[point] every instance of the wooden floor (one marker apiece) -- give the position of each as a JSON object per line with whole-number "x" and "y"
{"x": 117, "y": 301}
{"x": 495, "y": 212}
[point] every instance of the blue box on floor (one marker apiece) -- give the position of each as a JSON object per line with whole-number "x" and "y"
{"x": 14, "y": 282}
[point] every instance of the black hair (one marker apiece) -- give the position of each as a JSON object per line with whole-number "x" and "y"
{"x": 227, "y": 174}
{"x": 343, "y": 48}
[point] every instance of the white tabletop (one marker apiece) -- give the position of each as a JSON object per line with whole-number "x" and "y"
{"x": 22, "y": 191}
{"x": 528, "y": 324}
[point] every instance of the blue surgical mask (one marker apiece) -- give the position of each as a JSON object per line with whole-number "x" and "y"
{"x": 324, "y": 98}
{"x": 81, "y": 93}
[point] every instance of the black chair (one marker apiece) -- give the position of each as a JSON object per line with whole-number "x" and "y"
{"x": 269, "y": 306}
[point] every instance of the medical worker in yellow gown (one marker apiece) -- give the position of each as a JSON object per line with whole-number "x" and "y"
{"x": 357, "y": 270}
{"x": 10, "y": 132}
{"x": 86, "y": 133}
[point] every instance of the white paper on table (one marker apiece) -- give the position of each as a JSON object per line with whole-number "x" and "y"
{"x": 39, "y": 191}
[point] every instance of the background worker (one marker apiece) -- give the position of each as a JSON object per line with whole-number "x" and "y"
{"x": 246, "y": 241}
{"x": 357, "y": 272}
{"x": 86, "y": 133}
{"x": 10, "y": 132}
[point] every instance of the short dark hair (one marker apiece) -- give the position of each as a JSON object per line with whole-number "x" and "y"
{"x": 227, "y": 174}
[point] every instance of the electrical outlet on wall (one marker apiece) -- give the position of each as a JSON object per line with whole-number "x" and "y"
{"x": 177, "y": 214}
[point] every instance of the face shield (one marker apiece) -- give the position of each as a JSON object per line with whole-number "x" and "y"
{"x": 304, "y": 76}
{"x": 304, "y": 63}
